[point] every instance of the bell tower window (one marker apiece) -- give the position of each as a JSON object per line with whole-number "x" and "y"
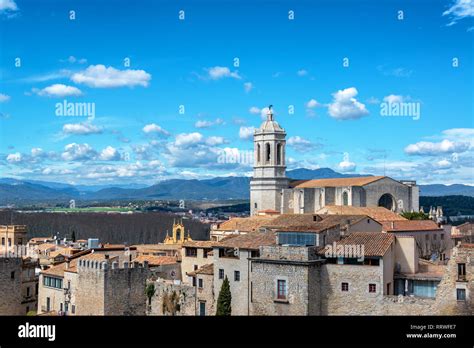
{"x": 278, "y": 155}
{"x": 267, "y": 152}
{"x": 258, "y": 153}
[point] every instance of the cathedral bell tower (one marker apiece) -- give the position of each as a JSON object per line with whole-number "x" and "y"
{"x": 269, "y": 171}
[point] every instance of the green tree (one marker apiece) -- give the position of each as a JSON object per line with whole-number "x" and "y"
{"x": 224, "y": 300}
{"x": 73, "y": 235}
{"x": 414, "y": 215}
{"x": 149, "y": 292}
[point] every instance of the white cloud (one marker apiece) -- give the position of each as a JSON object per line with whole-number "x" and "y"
{"x": 346, "y": 165}
{"x": 248, "y": 86}
{"x": 459, "y": 9}
{"x": 4, "y": 98}
{"x": 37, "y": 152}
{"x": 81, "y": 129}
{"x": 154, "y": 128}
{"x": 219, "y": 72}
{"x": 345, "y": 106}
{"x": 394, "y": 99}
{"x": 256, "y": 110}
{"x": 187, "y": 139}
{"x": 72, "y": 60}
{"x": 110, "y": 154}
{"x": 301, "y": 144}
{"x": 443, "y": 164}
{"x": 426, "y": 148}
{"x": 78, "y": 152}
{"x": 214, "y": 140}
{"x": 459, "y": 132}
{"x": 14, "y": 157}
{"x": 8, "y": 5}
{"x": 302, "y": 72}
{"x": 246, "y": 132}
{"x": 58, "y": 90}
{"x": 99, "y": 76}
{"x": 207, "y": 124}
{"x": 312, "y": 104}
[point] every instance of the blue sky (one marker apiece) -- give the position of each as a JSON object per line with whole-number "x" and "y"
{"x": 421, "y": 58}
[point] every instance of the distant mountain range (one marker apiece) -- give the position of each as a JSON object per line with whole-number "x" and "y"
{"x": 13, "y": 191}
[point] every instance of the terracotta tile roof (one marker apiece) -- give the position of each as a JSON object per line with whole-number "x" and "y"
{"x": 379, "y": 214}
{"x": 335, "y": 182}
{"x": 156, "y": 260}
{"x": 59, "y": 270}
{"x": 46, "y": 246}
{"x": 305, "y": 222}
{"x": 155, "y": 247}
{"x": 205, "y": 269}
{"x": 248, "y": 224}
{"x": 199, "y": 243}
{"x": 375, "y": 243}
{"x": 410, "y": 225}
{"x": 97, "y": 257}
{"x": 35, "y": 240}
{"x": 251, "y": 241}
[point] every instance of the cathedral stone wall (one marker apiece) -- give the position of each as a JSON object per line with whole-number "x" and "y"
{"x": 380, "y": 187}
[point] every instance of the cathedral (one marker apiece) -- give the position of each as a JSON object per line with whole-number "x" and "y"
{"x": 272, "y": 191}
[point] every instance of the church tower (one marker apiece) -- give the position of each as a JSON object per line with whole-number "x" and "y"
{"x": 178, "y": 236}
{"x": 269, "y": 175}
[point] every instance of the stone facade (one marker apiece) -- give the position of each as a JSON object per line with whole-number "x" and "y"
{"x": 172, "y": 298}
{"x": 299, "y": 268}
{"x": 105, "y": 288}
{"x": 10, "y": 286}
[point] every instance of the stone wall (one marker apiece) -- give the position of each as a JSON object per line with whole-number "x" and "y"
{"x": 172, "y": 299}
{"x": 10, "y": 286}
{"x": 206, "y": 294}
{"x": 375, "y": 190}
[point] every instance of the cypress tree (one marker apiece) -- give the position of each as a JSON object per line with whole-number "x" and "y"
{"x": 224, "y": 300}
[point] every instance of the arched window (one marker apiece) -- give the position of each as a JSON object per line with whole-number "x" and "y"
{"x": 387, "y": 201}
{"x": 279, "y": 154}
{"x": 178, "y": 234}
{"x": 258, "y": 153}
{"x": 267, "y": 152}
{"x": 345, "y": 198}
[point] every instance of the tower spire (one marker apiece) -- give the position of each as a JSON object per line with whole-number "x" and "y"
{"x": 270, "y": 113}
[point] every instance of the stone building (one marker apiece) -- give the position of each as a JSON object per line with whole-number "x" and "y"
{"x": 11, "y": 286}
{"x": 166, "y": 267}
{"x": 29, "y": 284}
{"x": 270, "y": 189}
{"x": 431, "y": 240}
{"x": 203, "y": 281}
{"x": 194, "y": 255}
{"x": 316, "y": 222}
{"x": 100, "y": 281}
{"x": 172, "y": 298}
{"x": 11, "y": 235}
{"x": 231, "y": 259}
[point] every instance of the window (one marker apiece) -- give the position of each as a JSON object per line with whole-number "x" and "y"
{"x": 12, "y": 275}
{"x": 20, "y": 241}
{"x": 345, "y": 198}
{"x": 3, "y": 240}
{"x": 297, "y": 238}
{"x": 205, "y": 252}
{"x": 73, "y": 309}
{"x": 194, "y": 281}
{"x": 255, "y": 205}
{"x": 60, "y": 307}
{"x": 195, "y": 267}
{"x": 372, "y": 288}
{"x": 237, "y": 276}
{"x": 258, "y": 153}
{"x": 278, "y": 154}
{"x": 442, "y": 236}
{"x": 9, "y": 242}
{"x": 344, "y": 286}
{"x": 191, "y": 252}
{"x": 53, "y": 282}
{"x": 254, "y": 253}
{"x": 200, "y": 283}
{"x": 281, "y": 289}
{"x": 267, "y": 152}
{"x": 28, "y": 291}
{"x": 221, "y": 273}
{"x": 66, "y": 307}
{"x": 461, "y": 294}
{"x": 48, "y": 304}
{"x": 27, "y": 309}
{"x": 461, "y": 271}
